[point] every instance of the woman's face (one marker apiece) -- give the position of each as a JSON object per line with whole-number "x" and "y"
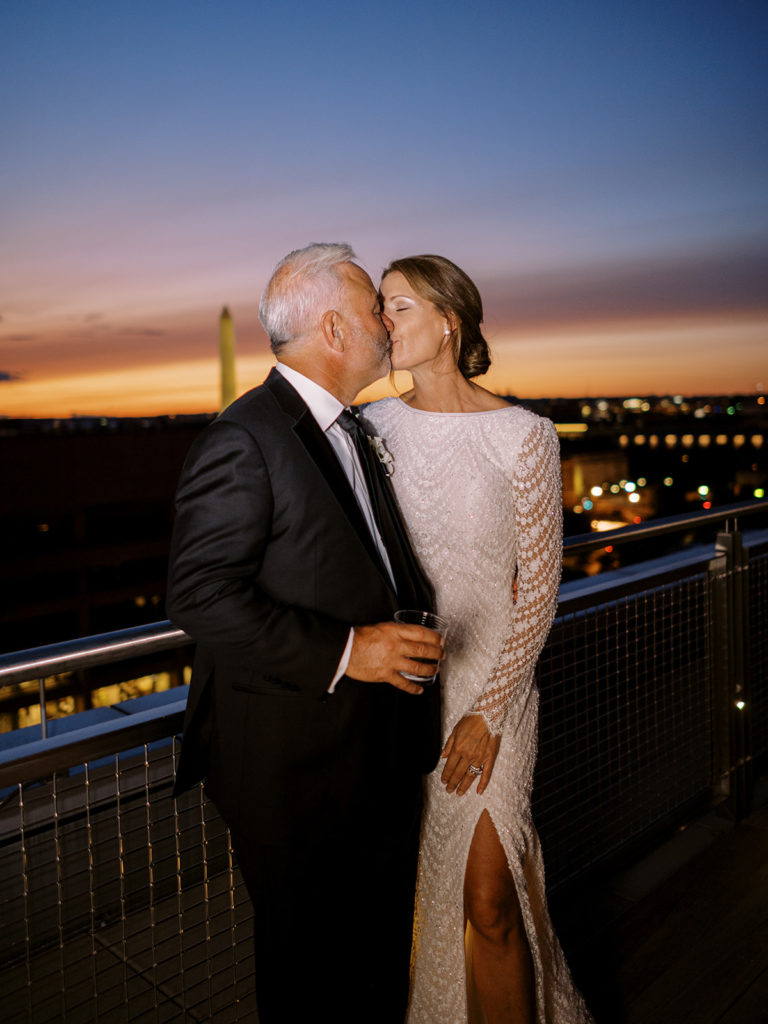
{"x": 419, "y": 332}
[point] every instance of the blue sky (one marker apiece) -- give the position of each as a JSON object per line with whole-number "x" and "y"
{"x": 578, "y": 159}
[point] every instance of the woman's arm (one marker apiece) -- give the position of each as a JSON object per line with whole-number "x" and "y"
{"x": 539, "y": 515}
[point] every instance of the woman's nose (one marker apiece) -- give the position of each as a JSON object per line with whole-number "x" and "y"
{"x": 387, "y": 323}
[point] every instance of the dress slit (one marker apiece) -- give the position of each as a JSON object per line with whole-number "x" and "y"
{"x": 521, "y": 883}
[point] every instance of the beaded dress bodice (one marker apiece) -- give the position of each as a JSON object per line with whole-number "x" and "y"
{"x": 481, "y": 497}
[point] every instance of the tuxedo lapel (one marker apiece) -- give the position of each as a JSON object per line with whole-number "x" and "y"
{"x": 322, "y": 454}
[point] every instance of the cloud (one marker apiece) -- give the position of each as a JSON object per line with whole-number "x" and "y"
{"x": 21, "y": 337}
{"x": 6, "y": 375}
{"x": 725, "y": 281}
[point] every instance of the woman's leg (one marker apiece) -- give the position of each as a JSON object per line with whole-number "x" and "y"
{"x": 503, "y": 970}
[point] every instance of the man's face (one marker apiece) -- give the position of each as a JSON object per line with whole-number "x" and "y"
{"x": 367, "y": 356}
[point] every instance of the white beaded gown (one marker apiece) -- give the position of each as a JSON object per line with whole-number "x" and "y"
{"x": 481, "y": 496}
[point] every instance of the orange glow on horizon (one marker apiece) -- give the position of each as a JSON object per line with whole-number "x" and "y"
{"x": 682, "y": 356}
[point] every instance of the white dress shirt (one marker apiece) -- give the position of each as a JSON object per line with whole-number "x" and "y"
{"x": 326, "y": 409}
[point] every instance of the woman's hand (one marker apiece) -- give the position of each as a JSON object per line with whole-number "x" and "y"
{"x": 470, "y": 743}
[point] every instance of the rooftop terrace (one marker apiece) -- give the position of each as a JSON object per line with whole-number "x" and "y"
{"x": 120, "y": 903}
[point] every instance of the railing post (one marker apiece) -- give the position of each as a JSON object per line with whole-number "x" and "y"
{"x": 729, "y": 573}
{"x": 43, "y": 715}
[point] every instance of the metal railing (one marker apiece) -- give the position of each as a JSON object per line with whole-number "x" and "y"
{"x": 654, "y": 703}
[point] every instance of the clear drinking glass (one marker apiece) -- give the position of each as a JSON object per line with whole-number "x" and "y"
{"x": 413, "y": 617}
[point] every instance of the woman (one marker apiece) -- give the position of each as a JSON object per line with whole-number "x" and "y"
{"x": 478, "y": 481}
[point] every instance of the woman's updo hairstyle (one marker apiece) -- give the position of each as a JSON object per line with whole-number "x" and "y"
{"x": 456, "y": 298}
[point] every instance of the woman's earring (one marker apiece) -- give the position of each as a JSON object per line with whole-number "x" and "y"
{"x": 446, "y": 331}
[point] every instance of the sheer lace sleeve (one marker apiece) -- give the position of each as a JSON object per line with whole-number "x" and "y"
{"x": 539, "y": 515}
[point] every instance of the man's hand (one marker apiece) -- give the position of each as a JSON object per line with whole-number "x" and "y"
{"x": 382, "y": 651}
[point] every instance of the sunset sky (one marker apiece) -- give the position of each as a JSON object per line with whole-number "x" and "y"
{"x": 598, "y": 167}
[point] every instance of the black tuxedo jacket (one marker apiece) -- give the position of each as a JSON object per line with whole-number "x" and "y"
{"x": 271, "y": 563}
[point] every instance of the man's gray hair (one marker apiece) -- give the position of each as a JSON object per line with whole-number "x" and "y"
{"x": 304, "y": 285}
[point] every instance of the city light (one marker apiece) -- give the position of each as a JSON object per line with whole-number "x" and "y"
{"x": 703, "y": 490}
{"x": 596, "y": 492}
{"x": 629, "y": 486}
{"x": 587, "y": 505}
{"x": 564, "y": 429}
{"x": 759, "y": 492}
{"x": 634, "y": 497}
{"x": 668, "y": 481}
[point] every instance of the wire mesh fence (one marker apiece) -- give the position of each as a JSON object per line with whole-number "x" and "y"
{"x": 119, "y": 902}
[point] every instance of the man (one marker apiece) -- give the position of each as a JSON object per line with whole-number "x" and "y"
{"x": 287, "y": 564}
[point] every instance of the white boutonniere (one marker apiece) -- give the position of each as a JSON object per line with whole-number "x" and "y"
{"x": 385, "y": 457}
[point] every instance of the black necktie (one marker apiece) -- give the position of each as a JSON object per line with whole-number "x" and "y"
{"x": 359, "y": 437}
{"x": 411, "y": 584}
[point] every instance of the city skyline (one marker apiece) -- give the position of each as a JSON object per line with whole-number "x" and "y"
{"x": 599, "y": 170}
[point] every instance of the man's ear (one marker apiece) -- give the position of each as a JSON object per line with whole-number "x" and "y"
{"x": 332, "y": 324}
